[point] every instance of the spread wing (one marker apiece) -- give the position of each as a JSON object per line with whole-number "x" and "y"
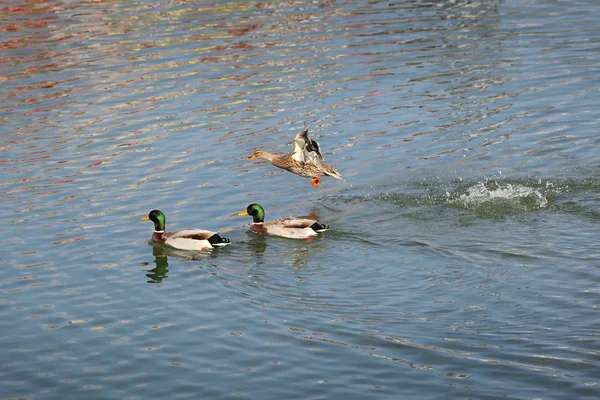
{"x": 298, "y": 153}
{"x": 306, "y": 149}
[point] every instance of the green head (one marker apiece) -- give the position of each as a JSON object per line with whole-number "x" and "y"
{"x": 159, "y": 219}
{"x": 256, "y": 211}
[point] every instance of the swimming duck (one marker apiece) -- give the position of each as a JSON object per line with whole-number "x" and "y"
{"x": 306, "y": 160}
{"x": 184, "y": 239}
{"x": 295, "y": 228}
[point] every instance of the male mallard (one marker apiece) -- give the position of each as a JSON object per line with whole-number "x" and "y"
{"x": 295, "y": 228}
{"x": 184, "y": 239}
{"x": 306, "y": 160}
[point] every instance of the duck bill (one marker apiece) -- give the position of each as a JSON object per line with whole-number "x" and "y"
{"x": 252, "y": 157}
{"x": 242, "y": 214}
{"x": 146, "y": 218}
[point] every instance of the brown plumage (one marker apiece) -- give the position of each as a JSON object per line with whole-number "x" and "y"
{"x": 306, "y": 160}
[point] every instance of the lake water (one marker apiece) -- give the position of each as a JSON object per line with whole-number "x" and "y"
{"x": 463, "y": 259}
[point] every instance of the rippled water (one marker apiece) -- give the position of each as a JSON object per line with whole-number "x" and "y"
{"x": 463, "y": 259}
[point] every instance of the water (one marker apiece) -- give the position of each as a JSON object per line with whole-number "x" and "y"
{"x": 463, "y": 258}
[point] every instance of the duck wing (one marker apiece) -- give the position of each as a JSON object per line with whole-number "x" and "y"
{"x": 312, "y": 155}
{"x": 196, "y": 234}
{"x": 195, "y": 239}
{"x": 306, "y": 149}
{"x": 299, "y": 223}
{"x": 289, "y": 227}
{"x": 298, "y": 153}
{"x": 303, "y": 223}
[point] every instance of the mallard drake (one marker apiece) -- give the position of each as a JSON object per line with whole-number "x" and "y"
{"x": 295, "y": 228}
{"x": 306, "y": 160}
{"x": 184, "y": 239}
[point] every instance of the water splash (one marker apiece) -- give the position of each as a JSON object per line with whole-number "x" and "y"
{"x": 497, "y": 198}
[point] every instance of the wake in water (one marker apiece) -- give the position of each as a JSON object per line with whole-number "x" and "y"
{"x": 498, "y": 198}
{"x": 489, "y": 198}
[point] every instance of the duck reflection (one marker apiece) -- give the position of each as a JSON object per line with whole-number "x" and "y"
{"x": 297, "y": 257}
{"x": 307, "y": 254}
{"x": 161, "y": 260}
{"x": 257, "y": 242}
{"x": 158, "y": 273}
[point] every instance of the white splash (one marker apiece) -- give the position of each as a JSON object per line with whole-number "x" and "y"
{"x": 507, "y": 194}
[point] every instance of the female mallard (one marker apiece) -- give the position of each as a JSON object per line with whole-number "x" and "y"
{"x": 306, "y": 160}
{"x": 295, "y": 228}
{"x": 184, "y": 239}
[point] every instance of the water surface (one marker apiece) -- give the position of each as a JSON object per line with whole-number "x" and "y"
{"x": 463, "y": 257}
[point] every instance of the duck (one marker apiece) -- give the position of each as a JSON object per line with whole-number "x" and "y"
{"x": 183, "y": 239}
{"x": 306, "y": 160}
{"x": 294, "y": 228}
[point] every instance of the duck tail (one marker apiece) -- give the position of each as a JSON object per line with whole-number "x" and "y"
{"x": 317, "y": 227}
{"x": 332, "y": 172}
{"x": 217, "y": 240}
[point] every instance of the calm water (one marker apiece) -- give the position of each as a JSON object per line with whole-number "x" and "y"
{"x": 463, "y": 260}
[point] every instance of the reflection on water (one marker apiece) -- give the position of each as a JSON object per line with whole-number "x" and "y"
{"x": 161, "y": 260}
{"x": 162, "y": 253}
{"x": 257, "y": 242}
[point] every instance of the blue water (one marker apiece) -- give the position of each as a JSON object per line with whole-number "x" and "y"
{"x": 463, "y": 259}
